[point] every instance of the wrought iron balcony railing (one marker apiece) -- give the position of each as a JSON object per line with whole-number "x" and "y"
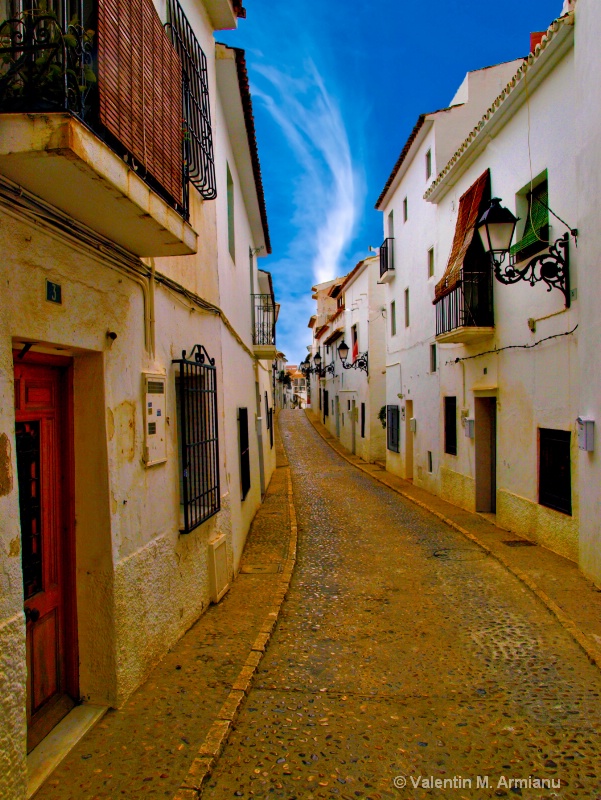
{"x": 45, "y": 63}
{"x": 470, "y": 304}
{"x": 386, "y": 256}
{"x": 143, "y": 92}
{"x": 263, "y": 320}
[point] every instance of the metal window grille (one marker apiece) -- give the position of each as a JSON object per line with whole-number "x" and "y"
{"x": 386, "y": 256}
{"x": 198, "y": 136}
{"x": 264, "y": 321}
{"x": 196, "y": 391}
{"x": 393, "y": 416}
{"x": 555, "y": 478}
{"x": 450, "y": 425}
{"x": 244, "y": 445}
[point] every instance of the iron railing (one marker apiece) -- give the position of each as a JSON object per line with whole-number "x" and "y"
{"x": 386, "y": 256}
{"x": 199, "y": 160}
{"x": 263, "y": 321}
{"x": 197, "y": 421}
{"x": 48, "y": 63}
{"x": 470, "y": 304}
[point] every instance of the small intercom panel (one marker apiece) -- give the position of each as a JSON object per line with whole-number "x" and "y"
{"x": 155, "y": 409}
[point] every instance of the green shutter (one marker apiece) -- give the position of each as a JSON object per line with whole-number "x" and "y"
{"x": 537, "y": 224}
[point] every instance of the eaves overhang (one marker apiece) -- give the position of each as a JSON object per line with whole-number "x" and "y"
{"x": 224, "y": 14}
{"x": 554, "y": 45}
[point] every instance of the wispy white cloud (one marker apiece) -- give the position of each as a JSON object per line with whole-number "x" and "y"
{"x": 325, "y": 186}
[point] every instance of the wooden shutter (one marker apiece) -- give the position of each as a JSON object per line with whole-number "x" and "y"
{"x": 140, "y": 88}
{"x": 470, "y": 208}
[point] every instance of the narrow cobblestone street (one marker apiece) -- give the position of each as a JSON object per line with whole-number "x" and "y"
{"x": 404, "y": 651}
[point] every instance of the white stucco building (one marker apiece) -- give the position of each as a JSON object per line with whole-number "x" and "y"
{"x": 125, "y": 245}
{"x": 494, "y": 379}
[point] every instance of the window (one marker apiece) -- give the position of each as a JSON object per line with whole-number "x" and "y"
{"x": 405, "y": 210}
{"x": 363, "y": 420}
{"x": 348, "y": 404}
{"x": 231, "y": 232}
{"x": 392, "y": 428}
{"x": 433, "y": 359}
{"x": 332, "y": 408}
{"x": 431, "y": 262}
{"x": 197, "y": 112}
{"x": 198, "y": 440}
{"x": 430, "y": 469}
{"x": 536, "y": 230}
{"x": 326, "y": 404}
{"x": 393, "y": 318}
{"x": 244, "y": 449}
{"x": 555, "y": 478}
{"x": 355, "y": 342}
{"x": 450, "y": 425}
{"x": 390, "y": 225}
{"x": 406, "y": 308}
{"x": 428, "y": 164}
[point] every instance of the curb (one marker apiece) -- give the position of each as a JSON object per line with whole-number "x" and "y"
{"x": 593, "y": 653}
{"x": 215, "y": 740}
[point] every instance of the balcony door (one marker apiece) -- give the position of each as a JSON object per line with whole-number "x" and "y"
{"x": 42, "y": 443}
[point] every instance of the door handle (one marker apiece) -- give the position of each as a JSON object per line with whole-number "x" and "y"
{"x": 32, "y": 614}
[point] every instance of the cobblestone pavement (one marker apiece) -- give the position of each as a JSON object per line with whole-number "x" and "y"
{"x": 145, "y": 749}
{"x": 405, "y": 653}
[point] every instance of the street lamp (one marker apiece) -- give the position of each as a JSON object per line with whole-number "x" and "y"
{"x": 317, "y": 360}
{"x": 496, "y": 228}
{"x": 361, "y": 362}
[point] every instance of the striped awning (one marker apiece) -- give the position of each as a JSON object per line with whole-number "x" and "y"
{"x": 472, "y": 205}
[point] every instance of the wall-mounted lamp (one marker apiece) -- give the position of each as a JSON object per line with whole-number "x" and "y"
{"x": 361, "y": 362}
{"x": 496, "y": 228}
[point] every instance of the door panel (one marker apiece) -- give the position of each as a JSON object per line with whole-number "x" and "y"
{"x": 40, "y": 427}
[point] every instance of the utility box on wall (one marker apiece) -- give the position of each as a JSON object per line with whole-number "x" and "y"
{"x": 155, "y": 408}
{"x": 586, "y": 434}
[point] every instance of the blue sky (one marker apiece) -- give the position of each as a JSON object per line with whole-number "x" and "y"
{"x": 337, "y": 88}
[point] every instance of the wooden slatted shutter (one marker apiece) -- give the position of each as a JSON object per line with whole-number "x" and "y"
{"x": 140, "y": 88}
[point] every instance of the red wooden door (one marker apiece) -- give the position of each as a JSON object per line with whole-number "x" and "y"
{"x": 47, "y": 553}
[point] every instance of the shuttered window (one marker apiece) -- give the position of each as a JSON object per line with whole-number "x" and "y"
{"x": 555, "y": 475}
{"x": 393, "y": 416}
{"x": 450, "y": 425}
{"x": 243, "y": 443}
{"x": 536, "y": 233}
{"x": 140, "y": 89}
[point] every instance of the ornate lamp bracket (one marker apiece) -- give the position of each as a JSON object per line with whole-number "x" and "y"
{"x": 361, "y": 362}
{"x": 552, "y": 268}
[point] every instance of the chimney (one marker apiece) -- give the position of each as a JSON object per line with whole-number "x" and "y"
{"x": 535, "y": 39}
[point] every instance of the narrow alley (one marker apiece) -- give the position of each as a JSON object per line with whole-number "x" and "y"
{"x": 405, "y": 654}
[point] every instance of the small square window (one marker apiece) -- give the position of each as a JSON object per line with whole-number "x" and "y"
{"x": 431, "y": 262}
{"x": 428, "y": 164}
{"x": 405, "y": 210}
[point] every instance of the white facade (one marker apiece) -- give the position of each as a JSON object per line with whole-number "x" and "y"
{"x": 136, "y": 583}
{"x": 412, "y": 376}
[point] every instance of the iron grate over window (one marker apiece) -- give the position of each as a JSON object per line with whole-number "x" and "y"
{"x": 196, "y": 392}
{"x": 198, "y": 136}
{"x": 393, "y": 415}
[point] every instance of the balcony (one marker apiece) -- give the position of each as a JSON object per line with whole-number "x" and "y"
{"x": 465, "y": 315}
{"x": 263, "y": 326}
{"x": 387, "y": 260}
{"x": 91, "y": 121}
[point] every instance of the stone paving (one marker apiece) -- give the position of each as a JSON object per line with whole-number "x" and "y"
{"x": 146, "y": 748}
{"x": 407, "y": 662}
